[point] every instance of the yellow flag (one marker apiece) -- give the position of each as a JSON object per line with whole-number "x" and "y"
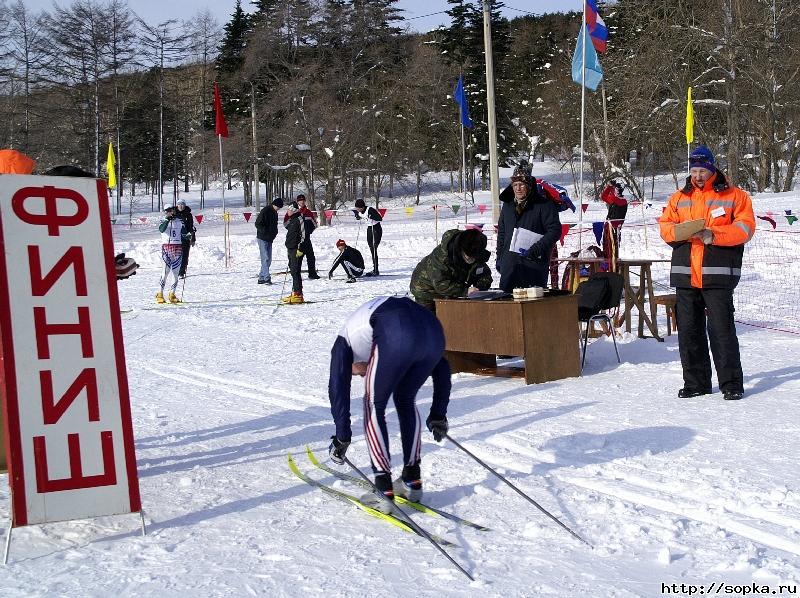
{"x": 689, "y": 117}
{"x": 111, "y": 167}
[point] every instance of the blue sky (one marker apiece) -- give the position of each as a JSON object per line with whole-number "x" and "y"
{"x": 154, "y": 11}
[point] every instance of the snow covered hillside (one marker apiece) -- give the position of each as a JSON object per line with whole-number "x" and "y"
{"x": 226, "y": 385}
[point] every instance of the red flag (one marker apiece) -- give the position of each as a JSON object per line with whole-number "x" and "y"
{"x": 382, "y": 212}
{"x": 221, "y": 126}
{"x": 199, "y": 218}
{"x": 247, "y": 215}
{"x": 329, "y": 214}
{"x": 564, "y": 230}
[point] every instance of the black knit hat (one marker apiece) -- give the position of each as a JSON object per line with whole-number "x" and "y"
{"x": 360, "y": 203}
{"x": 521, "y": 175}
{"x": 472, "y": 242}
{"x": 277, "y": 202}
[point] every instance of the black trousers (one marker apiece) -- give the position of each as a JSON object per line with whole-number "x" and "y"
{"x": 698, "y": 310}
{"x": 294, "y": 269}
{"x": 374, "y": 234}
{"x": 185, "y": 259}
{"x": 308, "y": 252}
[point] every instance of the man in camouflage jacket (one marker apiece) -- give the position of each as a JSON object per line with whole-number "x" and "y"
{"x": 455, "y": 265}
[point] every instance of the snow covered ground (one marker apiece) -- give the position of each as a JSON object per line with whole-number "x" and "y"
{"x": 228, "y": 384}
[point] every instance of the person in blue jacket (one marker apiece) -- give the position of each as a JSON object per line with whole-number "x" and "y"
{"x": 396, "y": 345}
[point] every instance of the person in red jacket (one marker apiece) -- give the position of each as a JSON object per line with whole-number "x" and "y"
{"x": 617, "y": 210}
{"x": 705, "y": 270}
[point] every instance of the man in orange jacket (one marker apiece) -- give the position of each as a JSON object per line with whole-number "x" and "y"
{"x": 705, "y": 271}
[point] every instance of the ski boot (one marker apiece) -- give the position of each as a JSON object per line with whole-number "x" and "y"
{"x": 409, "y": 485}
{"x": 293, "y": 299}
{"x": 173, "y": 298}
{"x": 383, "y": 482}
{"x": 160, "y": 297}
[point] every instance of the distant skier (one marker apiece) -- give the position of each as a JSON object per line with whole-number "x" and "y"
{"x": 350, "y": 259}
{"x": 396, "y": 344}
{"x": 295, "y": 235}
{"x": 374, "y": 231}
{"x": 173, "y": 233}
{"x": 184, "y": 213}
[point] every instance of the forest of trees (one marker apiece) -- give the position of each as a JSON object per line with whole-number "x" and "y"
{"x": 346, "y": 101}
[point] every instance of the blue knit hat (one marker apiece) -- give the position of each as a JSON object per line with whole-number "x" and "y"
{"x": 702, "y": 157}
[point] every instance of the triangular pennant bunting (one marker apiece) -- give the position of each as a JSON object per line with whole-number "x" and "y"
{"x": 247, "y": 215}
{"x": 382, "y": 212}
{"x": 564, "y": 230}
{"x": 199, "y": 218}
{"x": 142, "y": 219}
{"x": 481, "y": 208}
{"x": 791, "y": 219}
{"x": 409, "y": 211}
{"x": 329, "y": 214}
{"x": 768, "y": 219}
{"x": 455, "y": 207}
{"x": 597, "y": 229}
{"x": 584, "y": 207}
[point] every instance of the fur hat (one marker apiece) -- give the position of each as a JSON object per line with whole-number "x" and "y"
{"x": 360, "y": 203}
{"x": 472, "y": 242}
{"x": 702, "y": 157}
{"x": 340, "y": 243}
{"x": 277, "y": 202}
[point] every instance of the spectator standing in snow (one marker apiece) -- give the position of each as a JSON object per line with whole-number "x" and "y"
{"x": 350, "y": 259}
{"x": 173, "y": 233}
{"x": 529, "y": 211}
{"x": 295, "y": 235}
{"x": 396, "y": 344}
{"x": 617, "y": 210}
{"x": 455, "y": 265}
{"x": 184, "y": 213}
{"x": 310, "y": 225}
{"x": 374, "y": 231}
{"x": 266, "y": 231}
{"x": 705, "y": 270}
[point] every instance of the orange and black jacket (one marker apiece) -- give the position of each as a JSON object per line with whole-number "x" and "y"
{"x": 728, "y": 214}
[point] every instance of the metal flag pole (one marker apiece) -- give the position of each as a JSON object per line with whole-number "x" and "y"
{"x": 493, "y": 164}
{"x": 583, "y": 122}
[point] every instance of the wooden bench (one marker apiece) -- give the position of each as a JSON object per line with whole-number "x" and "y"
{"x": 669, "y": 302}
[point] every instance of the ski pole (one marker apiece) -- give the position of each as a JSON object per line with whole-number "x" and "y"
{"x": 408, "y": 519}
{"x": 518, "y": 491}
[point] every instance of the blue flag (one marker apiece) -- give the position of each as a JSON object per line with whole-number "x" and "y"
{"x": 594, "y": 72}
{"x": 461, "y": 99}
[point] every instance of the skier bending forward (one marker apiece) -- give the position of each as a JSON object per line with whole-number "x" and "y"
{"x": 396, "y": 344}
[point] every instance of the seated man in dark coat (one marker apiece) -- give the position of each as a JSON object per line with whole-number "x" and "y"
{"x": 455, "y": 265}
{"x": 530, "y": 220}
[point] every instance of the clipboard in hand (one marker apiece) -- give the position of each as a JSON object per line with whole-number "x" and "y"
{"x": 684, "y": 230}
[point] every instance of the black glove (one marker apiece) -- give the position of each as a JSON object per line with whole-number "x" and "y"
{"x": 535, "y": 252}
{"x": 337, "y": 450}
{"x": 438, "y": 427}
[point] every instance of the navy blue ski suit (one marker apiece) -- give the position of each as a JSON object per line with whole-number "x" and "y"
{"x": 402, "y": 344}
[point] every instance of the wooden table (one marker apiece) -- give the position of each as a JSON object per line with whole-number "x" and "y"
{"x": 637, "y": 297}
{"x": 542, "y": 331}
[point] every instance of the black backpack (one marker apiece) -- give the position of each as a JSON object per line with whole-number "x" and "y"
{"x": 593, "y": 296}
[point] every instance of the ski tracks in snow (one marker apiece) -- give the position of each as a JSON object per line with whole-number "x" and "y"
{"x": 274, "y": 397}
{"x": 711, "y": 497}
